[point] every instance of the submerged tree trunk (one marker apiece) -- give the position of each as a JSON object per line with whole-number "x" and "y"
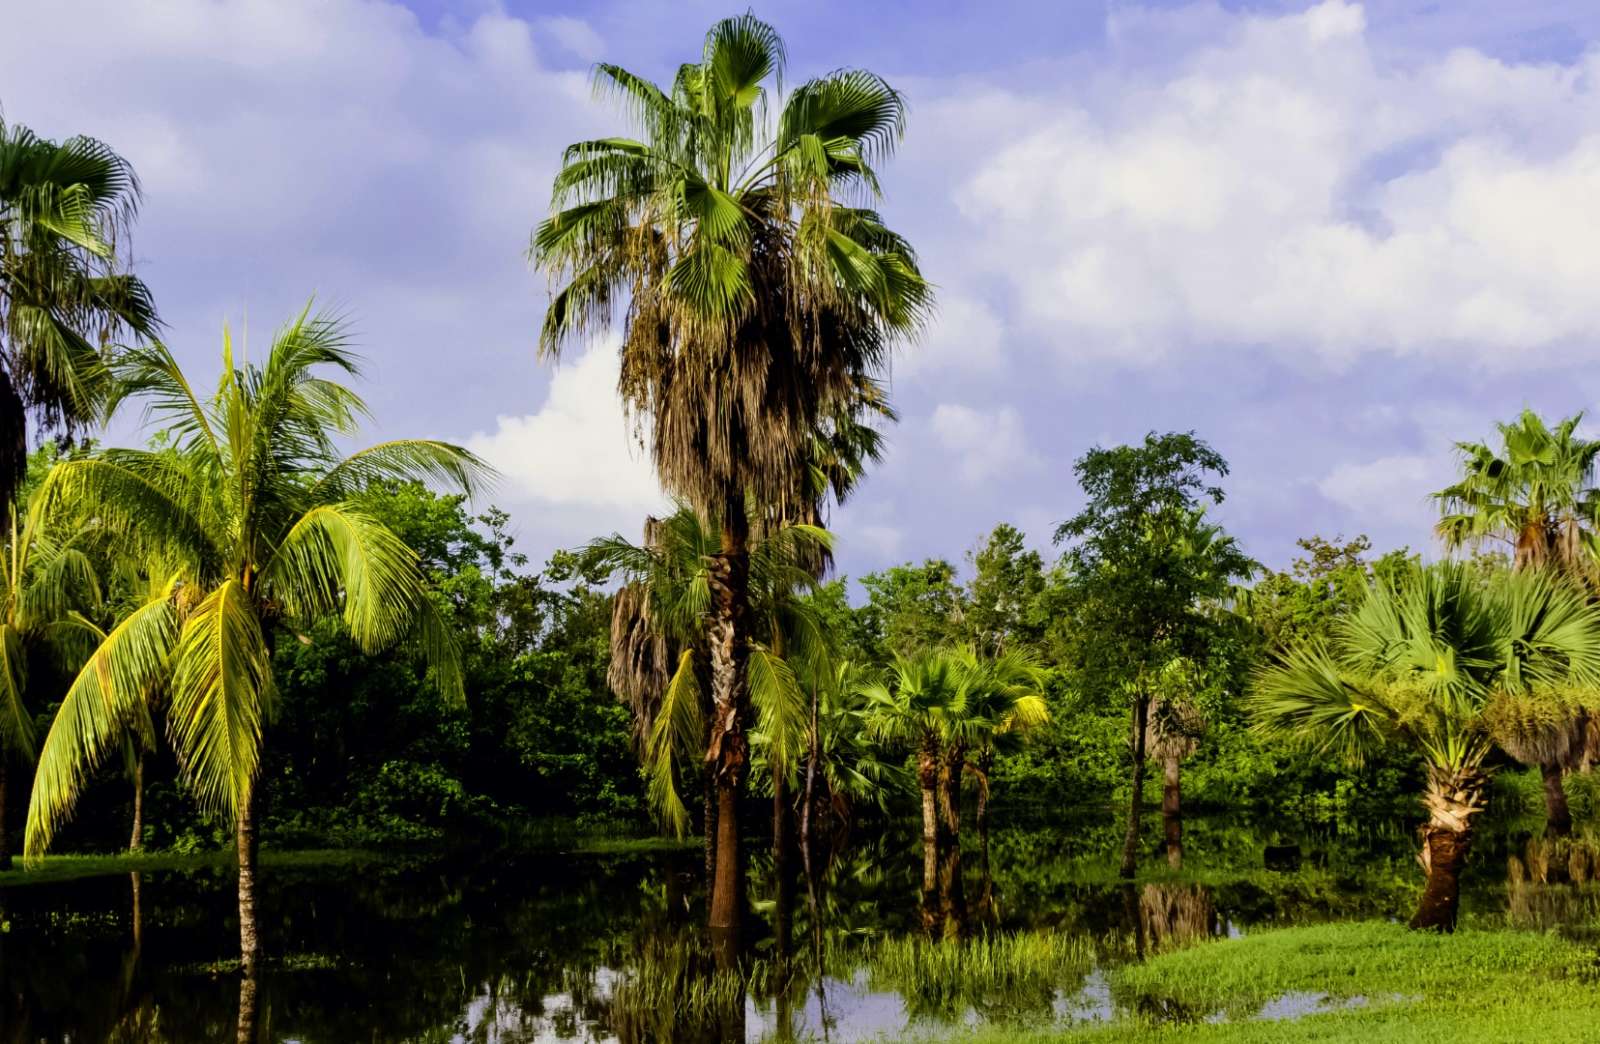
{"x": 1130, "y": 844}
{"x": 5, "y": 836}
{"x": 708, "y": 815}
{"x": 249, "y": 941}
{"x": 1558, "y": 819}
{"x": 728, "y": 753}
{"x": 928, "y": 780}
{"x": 1172, "y": 809}
{"x": 780, "y": 864}
{"x": 136, "y": 842}
{"x": 249, "y": 1008}
{"x": 1453, "y": 799}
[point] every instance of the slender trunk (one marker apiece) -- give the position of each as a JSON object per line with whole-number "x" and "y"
{"x": 5, "y": 836}
{"x": 728, "y": 752}
{"x": 1130, "y": 845}
{"x": 1453, "y": 798}
{"x": 136, "y": 880}
{"x": 1172, "y": 809}
{"x": 813, "y": 755}
{"x": 783, "y": 914}
{"x": 249, "y": 1008}
{"x": 249, "y": 941}
{"x": 928, "y": 779}
{"x": 136, "y": 842}
{"x": 1558, "y": 819}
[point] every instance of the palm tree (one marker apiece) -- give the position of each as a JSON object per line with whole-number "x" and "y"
{"x": 1172, "y": 733}
{"x": 909, "y": 707}
{"x": 45, "y": 580}
{"x": 1534, "y": 493}
{"x": 255, "y": 508}
{"x": 1425, "y": 663}
{"x": 756, "y": 303}
{"x": 65, "y": 212}
{"x": 1005, "y": 702}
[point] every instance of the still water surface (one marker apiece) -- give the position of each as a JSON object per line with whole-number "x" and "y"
{"x": 560, "y": 947}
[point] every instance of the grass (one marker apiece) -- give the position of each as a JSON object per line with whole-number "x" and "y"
{"x": 53, "y": 868}
{"x": 1000, "y": 975}
{"x": 1474, "y": 987}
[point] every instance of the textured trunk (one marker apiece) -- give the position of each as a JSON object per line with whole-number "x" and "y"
{"x": 136, "y": 881}
{"x": 1558, "y": 819}
{"x": 1441, "y": 897}
{"x": 136, "y": 842}
{"x": 984, "y": 763}
{"x": 1130, "y": 844}
{"x": 953, "y": 894}
{"x": 249, "y": 1009}
{"x": 1172, "y": 810}
{"x": 5, "y": 836}
{"x": 928, "y": 780}
{"x": 809, "y": 800}
{"x": 728, "y": 754}
{"x": 1452, "y": 800}
{"x": 249, "y": 941}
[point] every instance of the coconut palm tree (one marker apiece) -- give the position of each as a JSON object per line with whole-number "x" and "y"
{"x": 46, "y": 580}
{"x": 1425, "y": 663}
{"x": 755, "y": 300}
{"x": 909, "y": 708}
{"x": 254, "y": 507}
{"x": 1535, "y": 494}
{"x": 65, "y": 212}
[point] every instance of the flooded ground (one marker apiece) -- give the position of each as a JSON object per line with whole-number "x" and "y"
{"x": 604, "y": 948}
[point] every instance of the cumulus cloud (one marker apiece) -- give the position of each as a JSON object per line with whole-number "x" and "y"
{"x": 575, "y": 454}
{"x": 1392, "y": 489}
{"x": 987, "y": 444}
{"x": 1283, "y": 186}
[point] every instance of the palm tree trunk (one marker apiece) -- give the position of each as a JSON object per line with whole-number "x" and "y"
{"x": 985, "y": 764}
{"x": 928, "y": 779}
{"x": 5, "y": 836}
{"x": 709, "y": 818}
{"x": 1130, "y": 844}
{"x": 249, "y": 1008}
{"x": 729, "y": 575}
{"x": 810, "y": 799}
{"x": 954, "y": 897}
{"x": 1453, "y": 798}
{"x": 1172, "y": 809}
{"x": 249, "y": 941}
{"x": 1558, "y": 818}
{"x": 136, "y": 842}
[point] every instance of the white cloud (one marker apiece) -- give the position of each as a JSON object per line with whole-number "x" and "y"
{"x": 1284, "y": 187}
{"x": 1393, "y": 489}
{"x": 576, "y": 453}
{"x": 966, "y": 337}
{"x": 987, "y": 444}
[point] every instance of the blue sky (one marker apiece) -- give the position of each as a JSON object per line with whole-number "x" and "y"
{"x": 1332, "y": 238}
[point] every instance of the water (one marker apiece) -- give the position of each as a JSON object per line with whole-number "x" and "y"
{"x": 562, "y": 947}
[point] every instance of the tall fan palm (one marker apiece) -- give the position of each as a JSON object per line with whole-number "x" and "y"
{"x": 1425, "y": 663}
{"x": 1535, "y": 493}
{"x": 65, "y": 292}
{"x": 45, "y": 579}
{"x": 757, "y": 300}
{"x": 254, "y": 508}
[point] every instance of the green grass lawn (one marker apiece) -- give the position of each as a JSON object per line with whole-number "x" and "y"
{"x": 1475, "y": 986}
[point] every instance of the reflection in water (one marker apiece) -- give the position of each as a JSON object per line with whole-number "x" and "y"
{"x": 607, "y": 949}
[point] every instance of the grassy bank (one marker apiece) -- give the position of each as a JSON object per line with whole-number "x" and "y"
{"x": 53, "y": 868}
{"x": 1358, "y": 982}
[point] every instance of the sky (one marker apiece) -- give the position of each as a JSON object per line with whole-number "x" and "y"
{"x": 1333, "y": 239}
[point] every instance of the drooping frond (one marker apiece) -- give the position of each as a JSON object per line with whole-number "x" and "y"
{"x": 106, "y": 694}
{"x": 16, "y": 724}
{"x": 679, "y": 725}
{"x": 780, "y": 707}
{"x": 221, "y": 692}
{"x": 422, "y": 460}
{"x": 441, "y": 651}
{"x": 339, "y": 558}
